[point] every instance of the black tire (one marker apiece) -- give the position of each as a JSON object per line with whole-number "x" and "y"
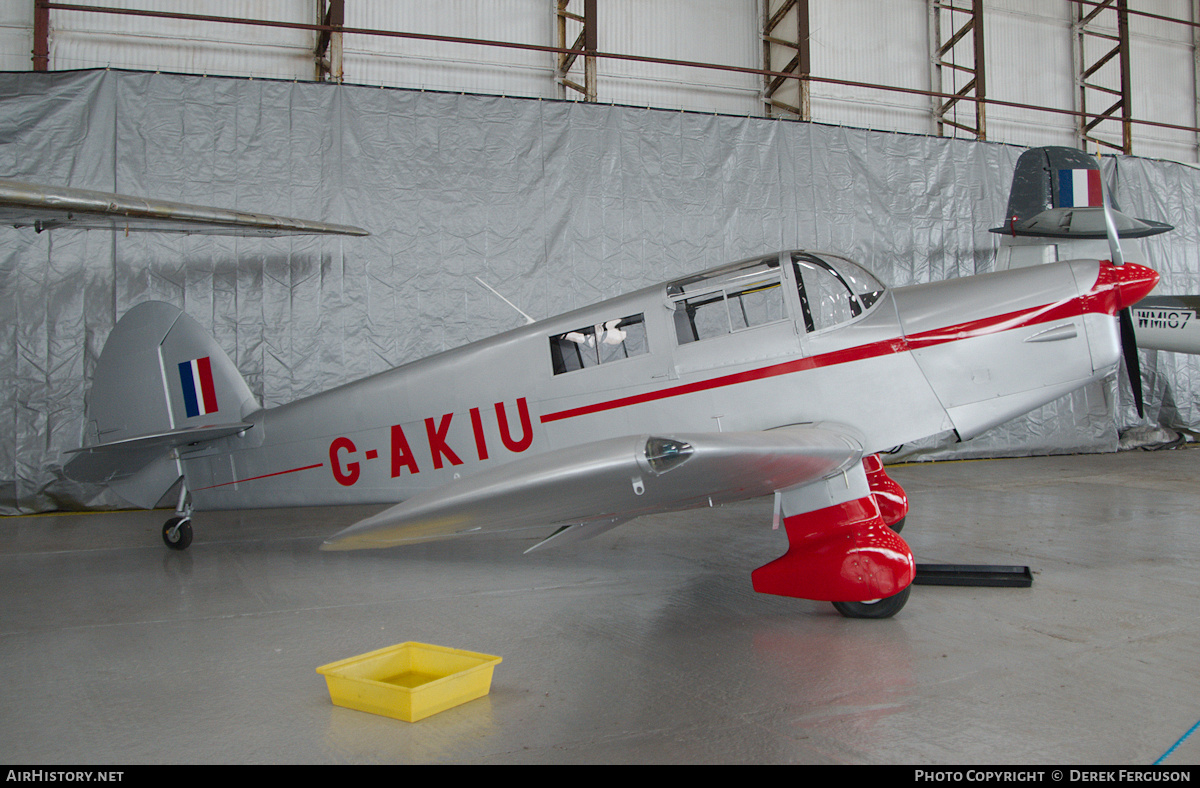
{"x": 177, "y": 538}
{"x": 880, "y": 608}
{"x": 899, "y": 524}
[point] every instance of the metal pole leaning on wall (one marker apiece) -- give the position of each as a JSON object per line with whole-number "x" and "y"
{"x": 1087, "y": 30}
{"x": 585, "y": 43}
{"x": 778, "y": 17}
{"x": 41, "y": 36}
{"x": 331, "y": 16}
{"x": 945, "y": 66}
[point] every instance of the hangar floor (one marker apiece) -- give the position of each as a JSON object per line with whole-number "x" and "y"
{"x": 645, "y": 645}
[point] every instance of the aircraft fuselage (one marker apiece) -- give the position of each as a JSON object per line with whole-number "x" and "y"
{"x": 760, "y": 344}
{"x": 1168, "y": 323}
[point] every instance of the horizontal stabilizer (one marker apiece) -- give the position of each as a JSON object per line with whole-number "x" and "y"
{"x": 610, "y": 481}
{"x": 1058, "y": 192}
{"x": 120, "y": 459}
{"x": 48, "y": 207}
{"x": 1086, "y": 223}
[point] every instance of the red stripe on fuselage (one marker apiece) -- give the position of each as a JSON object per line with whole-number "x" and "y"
{"x": 871, "y": 350}
{"x": 1096, "y": 300}
{"x": 992, "y": 325}
{"x": 264, "y": 476}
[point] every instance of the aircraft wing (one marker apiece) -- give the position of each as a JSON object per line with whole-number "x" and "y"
{"x": 48, "y": 207}
{"x": 589, "y": 488}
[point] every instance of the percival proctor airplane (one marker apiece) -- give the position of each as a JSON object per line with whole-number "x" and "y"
{"x": 783, "y": 374}
{"x": 1056, "y": 210}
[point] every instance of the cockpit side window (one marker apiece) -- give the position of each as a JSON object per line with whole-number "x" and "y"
{"x": 727, "y": 304}
{"x": 597, "y": 344}
{"x": 701, "y": 317}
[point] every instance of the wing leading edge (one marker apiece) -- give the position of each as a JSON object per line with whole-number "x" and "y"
{"x": 590, "y": 488}
{"x": 48, "y": 207}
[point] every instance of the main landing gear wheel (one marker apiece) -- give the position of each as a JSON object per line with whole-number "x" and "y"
{"x": 177, "y": 533}
{"x": 880, "y": 608}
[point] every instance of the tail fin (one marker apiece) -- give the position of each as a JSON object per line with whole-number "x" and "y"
{"x": 1056, "y": 193}
{"x": 161, "y": 382}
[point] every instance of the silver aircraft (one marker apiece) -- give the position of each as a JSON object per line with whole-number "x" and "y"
{"x": 784, "y": 374}
{"x": 1168, "y": 323}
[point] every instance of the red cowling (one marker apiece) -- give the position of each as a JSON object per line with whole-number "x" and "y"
{"x": 1119, "y": 286}
{"x": 1134, "y": 282}
{"x": 890, "y": 496}
{"x": 842, "y": 553}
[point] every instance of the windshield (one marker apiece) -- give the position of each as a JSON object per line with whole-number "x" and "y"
{"x": 833, "y": 290}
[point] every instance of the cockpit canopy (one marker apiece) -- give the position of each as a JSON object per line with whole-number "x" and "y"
{"x": 832, "y": 290}
{"x": 814, "y": 289}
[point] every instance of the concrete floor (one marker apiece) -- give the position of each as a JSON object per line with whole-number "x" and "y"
{"x": 644, "y": 645}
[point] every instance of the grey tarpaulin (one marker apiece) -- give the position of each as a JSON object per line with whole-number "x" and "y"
{"x": 555, "y": 204}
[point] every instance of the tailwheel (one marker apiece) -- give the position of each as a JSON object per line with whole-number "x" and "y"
{"x": 177, "y": 533}
{"x": 879, "y": 608}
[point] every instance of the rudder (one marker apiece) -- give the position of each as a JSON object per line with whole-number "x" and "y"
{"x": 161, "y": 382}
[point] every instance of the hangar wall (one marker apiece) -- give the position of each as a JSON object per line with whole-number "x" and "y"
{"x": 556, "y": 204}
{"x": 1028, "y": 52}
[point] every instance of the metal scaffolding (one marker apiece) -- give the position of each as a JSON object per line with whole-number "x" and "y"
{"x": 956, "y": 39}
{"x": 327, "y": 55}
{"x": 957, "y": 66}
{"x": 786, "y": 52}
{"x": 1092, "y": 24}
{"x": 584, "y": 42}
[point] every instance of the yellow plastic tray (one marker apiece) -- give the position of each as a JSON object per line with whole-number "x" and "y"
{"x": 409, "y": 681}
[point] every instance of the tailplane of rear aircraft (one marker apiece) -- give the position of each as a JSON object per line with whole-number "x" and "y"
{"x": 1056, "y": 211}
{"x": 1058, "y": 193}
